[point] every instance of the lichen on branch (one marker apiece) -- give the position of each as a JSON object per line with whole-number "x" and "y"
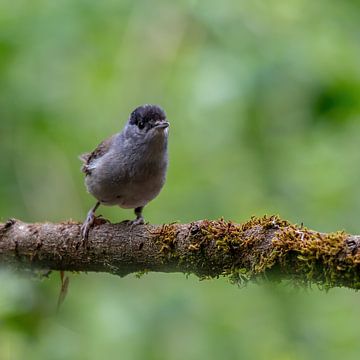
{"x": 266, "y": 247}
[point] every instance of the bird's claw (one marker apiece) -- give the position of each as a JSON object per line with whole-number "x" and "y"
{"x": 85, "y": 228}
{"x": 87, "y": 225}
{"x": 138, "y": 221}
{"x": 90, "y": 222}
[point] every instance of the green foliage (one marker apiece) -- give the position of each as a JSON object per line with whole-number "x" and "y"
{"x": 263, "y": 100}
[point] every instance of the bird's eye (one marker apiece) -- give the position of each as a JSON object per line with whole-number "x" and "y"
{"x": 141, "y": 125}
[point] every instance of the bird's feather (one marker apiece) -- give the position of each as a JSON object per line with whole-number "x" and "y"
{"x": 88, "y": 158}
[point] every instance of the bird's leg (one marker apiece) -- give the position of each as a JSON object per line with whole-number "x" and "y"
{"x": 89, "y": 222}
{"x": 139, "y": 218}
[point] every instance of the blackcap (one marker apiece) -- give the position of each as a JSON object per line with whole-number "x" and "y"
{"x": 129, "y": 168}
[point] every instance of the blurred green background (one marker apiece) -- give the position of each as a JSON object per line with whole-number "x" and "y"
{"x": 264, "y": 103}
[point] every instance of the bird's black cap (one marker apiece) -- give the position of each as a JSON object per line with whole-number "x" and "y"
{"x": 147, "y": 113}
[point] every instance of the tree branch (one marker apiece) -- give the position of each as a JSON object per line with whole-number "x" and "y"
{"x": 262, "y": 247}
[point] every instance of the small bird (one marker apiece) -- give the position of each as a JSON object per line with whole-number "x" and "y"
{"x": 129, "y": 168}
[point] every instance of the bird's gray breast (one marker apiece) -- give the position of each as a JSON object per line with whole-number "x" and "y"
{"x": 128, "y": 176}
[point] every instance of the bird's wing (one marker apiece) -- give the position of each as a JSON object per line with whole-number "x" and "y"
{"x": 88, "y": 158}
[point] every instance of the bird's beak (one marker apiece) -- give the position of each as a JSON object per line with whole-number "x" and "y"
{"x": 162, "y": 124}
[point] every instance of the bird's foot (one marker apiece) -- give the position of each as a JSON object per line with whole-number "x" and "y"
{"x": 139, "y": 218}
{"x": 88, "y": 224}
{"x": 91, "y": 221}
{"x": 138, "y": 221}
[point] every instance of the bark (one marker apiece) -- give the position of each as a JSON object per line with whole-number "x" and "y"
{"x": 267, "y": 247}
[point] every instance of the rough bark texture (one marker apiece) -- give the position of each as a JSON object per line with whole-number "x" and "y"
{"x": 267, "y": 247}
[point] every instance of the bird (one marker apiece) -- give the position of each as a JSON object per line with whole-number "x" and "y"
{"x": 129, "y": 168}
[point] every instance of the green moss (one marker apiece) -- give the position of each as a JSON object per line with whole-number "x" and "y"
{"x": 166, "y": 237}
{"x": 233, "y": 243}
{"x": 262, "y": 248}
{"x": 141, "y": 273}
{"x": 313, "y": 257}
{"x": 266, "y": 222}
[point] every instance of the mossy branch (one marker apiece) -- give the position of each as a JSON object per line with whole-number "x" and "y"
{"x": 267, "y": 247}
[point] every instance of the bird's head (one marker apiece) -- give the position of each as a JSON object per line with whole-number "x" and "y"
{"x": 148, "y": 121}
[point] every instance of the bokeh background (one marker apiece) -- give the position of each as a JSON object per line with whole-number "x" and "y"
{"x": 264, "y": 103}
